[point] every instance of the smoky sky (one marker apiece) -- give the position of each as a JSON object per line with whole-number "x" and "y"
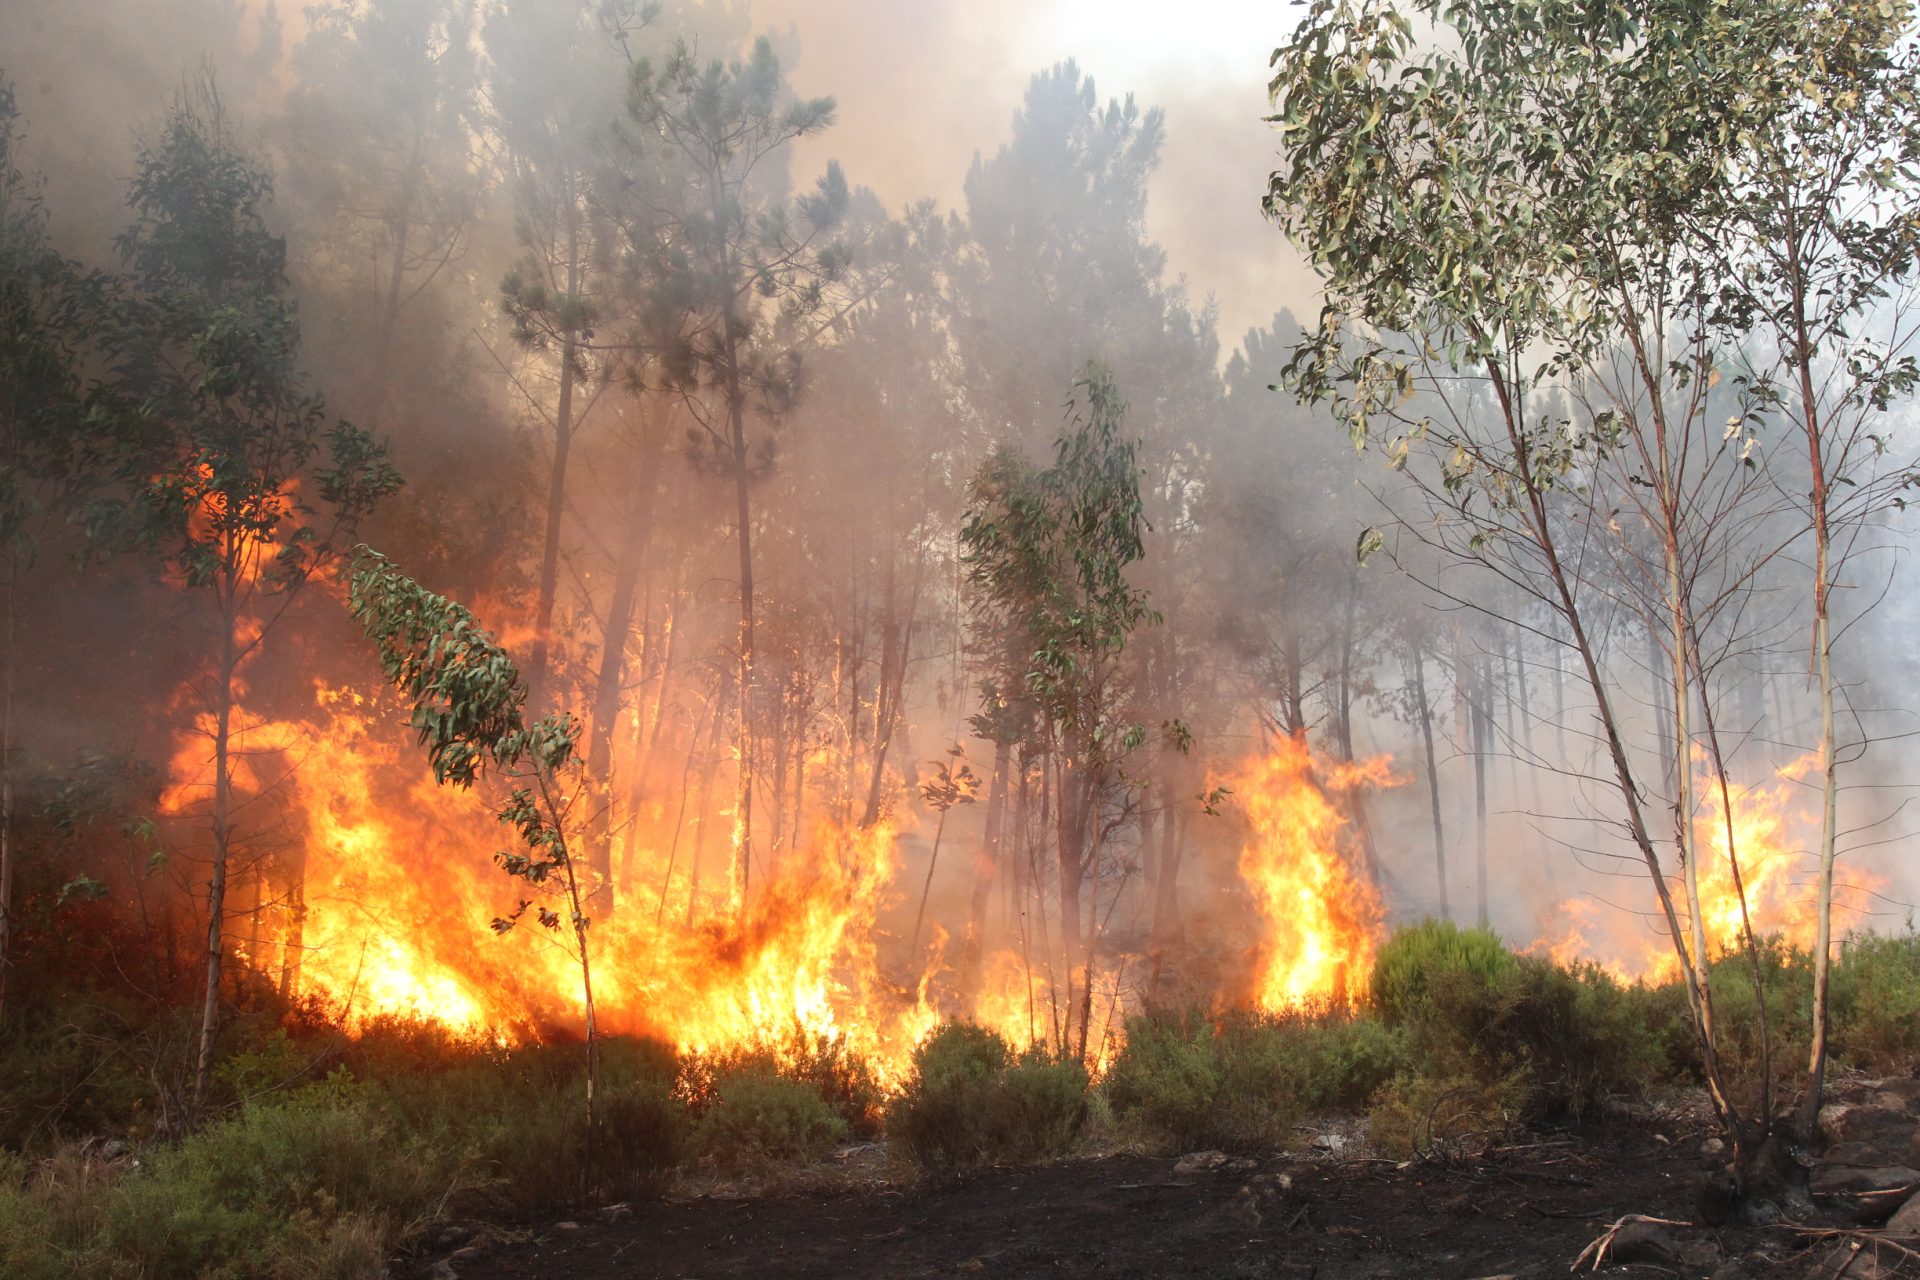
{"x": 923, "y": 86}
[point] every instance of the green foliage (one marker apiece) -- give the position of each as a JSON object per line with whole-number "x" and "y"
{"x": 972, "y": 1101}
{"x": 1047, "y": 552}
{"x": 1433, "y": 952}
{"x": 1876, "y": 1002}
{"x": 466, "y": 696}
{"x": 1245, "y": 1081}
{"x": 214, "y": 424}
{"x": 755, "y": 1116}
{"x": 1550, "y": 1040}
{"x": 290, "y": 1187}
{"x": 465, "y": 690}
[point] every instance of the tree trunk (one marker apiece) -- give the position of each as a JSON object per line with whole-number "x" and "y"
{"x": 613, "y": 653}
{"x": 703, "y": 807}
{"x": 222, "y": 842}
{"x": 1829, "y": 852}
{"x": 1418, "y": 663}
{"x": 556, "y": 488}
{"x": 8, "y": 660}
{"x": 986, "y": 866}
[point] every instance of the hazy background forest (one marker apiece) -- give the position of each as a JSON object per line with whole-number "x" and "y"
{"x": 469, "y": 196}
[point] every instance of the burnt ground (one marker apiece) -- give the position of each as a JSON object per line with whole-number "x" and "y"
{"x": 1526, "y": 1210}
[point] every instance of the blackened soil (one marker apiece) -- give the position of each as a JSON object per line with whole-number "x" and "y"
{"x": 1523, "y": 1211}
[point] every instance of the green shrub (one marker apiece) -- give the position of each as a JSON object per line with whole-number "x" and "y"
{"x": 1167, "y": 1078}
{"x": 1550, "y": 1039}
{"x": 1417, "y": 1115}
{"x": 1876, "y": 1002}
{"x": 1787, "y": 989}
{"x": 1244, "y": 1082}
{"x": 309, "y": 1185}
{"x": 1433, "y": 953}
{"x": 50, "y": 1215}
{"x": 971, "y": 1101}
{"x": 757, "y": 1116}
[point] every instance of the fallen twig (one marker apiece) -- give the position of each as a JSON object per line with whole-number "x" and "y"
{"x": 1598, "y": 1249}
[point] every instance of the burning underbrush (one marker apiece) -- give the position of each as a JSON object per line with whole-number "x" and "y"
{"x": 372, "y": 894}
{"x": 377, "y": 1009}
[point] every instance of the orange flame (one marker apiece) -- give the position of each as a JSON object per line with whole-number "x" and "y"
{"x": 1774, "y": 831}
{"x": 1323, "y": 913}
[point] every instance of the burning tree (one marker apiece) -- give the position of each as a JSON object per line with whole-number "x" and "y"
{"x": 224, "y": 461}
{"x": 1047, "y": 552}
{"x": 741, "y": 280}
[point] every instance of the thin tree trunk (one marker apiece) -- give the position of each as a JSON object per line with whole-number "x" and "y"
{"x": 222, "y": 841}
{"x": 1541, "y": 529}
{"x": 986, "y": 866}
{"x": 1418, "y": 663}
{"x": 1823, "y": 659}
{"x": 703, "y": 808}
{"x": 1166, "y": 897}
{"x": 8, "y": 659}
{"x": 613, "y": 650}
{"x": 556, "y": 485}
{"x": 743, "y": 513}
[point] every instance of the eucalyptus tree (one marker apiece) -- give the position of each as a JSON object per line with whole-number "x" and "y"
{"x": 224, "y": 461}
{"x": 1048, "y": 550}
{"x": 746, "y": 282}
{"x": 468, "y": 711}
{"x": 1825, "y": 202}
{"x": 1505, "y": 206}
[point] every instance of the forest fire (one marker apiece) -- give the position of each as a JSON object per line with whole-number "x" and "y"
{"x": 376, "y": 898}
{"x": 1771, "y": 837}
{"x": 383, "y": 910}
{"x": 1323, "y": 914}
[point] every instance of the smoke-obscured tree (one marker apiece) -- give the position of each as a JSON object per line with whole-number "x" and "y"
{"x": 1056, "y": 269}
{"x": 555, "y": 89}
{"x": 225, "y": 463}
{"x": 45, "y": 307}
{"x": 379, "y": 133}
{"x": 1048, "y": 550}
{"x": 744, "y": 287}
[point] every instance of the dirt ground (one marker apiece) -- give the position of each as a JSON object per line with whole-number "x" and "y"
{"x": 1526, "y": 1210}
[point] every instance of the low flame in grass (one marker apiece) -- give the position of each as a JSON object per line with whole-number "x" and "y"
{"x": 1774, "y": 833}
{"x": 1322, "y": 911}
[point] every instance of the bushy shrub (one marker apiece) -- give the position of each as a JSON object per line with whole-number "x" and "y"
{"x": 313, "y": 1184}
{"x": 1243, "y": 1082}
{"x": 1786, "y": 975}
{"x": 1431, "y": 954}
{"x": 51, "y": 1212}
{"x": 1876, "y": 1002}
{"x": 1471, "y": 1010}
{"x": 1167, "y": 1078}
{"x": 757, "y": 1116}
{"x": 971, "y": 1101}
{"x": 1417, "y": 1115}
